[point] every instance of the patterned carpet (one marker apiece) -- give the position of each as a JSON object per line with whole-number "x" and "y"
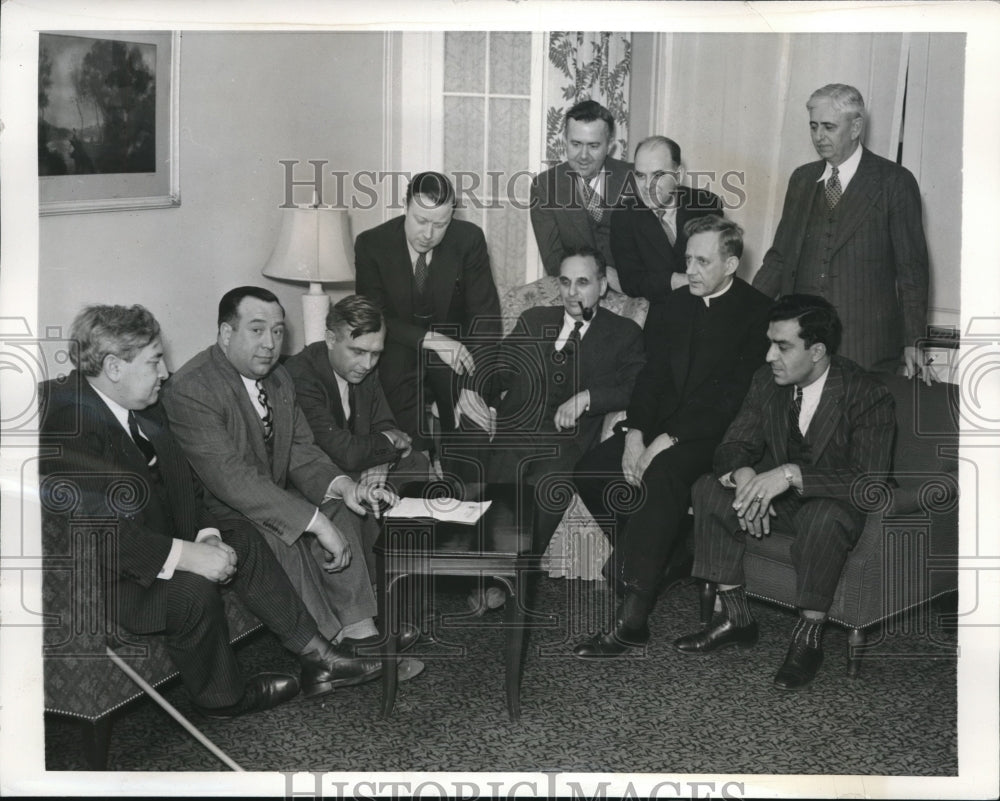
{"x": 654, "y": 712}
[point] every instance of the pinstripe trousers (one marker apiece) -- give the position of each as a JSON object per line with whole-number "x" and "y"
{"x": 824, "y": 531}
{"x": 196, "y": 632}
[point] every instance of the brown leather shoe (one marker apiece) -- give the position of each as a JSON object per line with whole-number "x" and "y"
{"x": 718, "y": 636}
{"x": 332, "y": 666}
{"x": 263, "y": 691}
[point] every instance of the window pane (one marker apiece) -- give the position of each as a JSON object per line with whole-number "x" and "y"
{"x": 508, "y": 143}
{"x": 463, "y": 136}
{"x": 510, "y": 63}
{"x": 506, "y": 229}
{"x": 464, "y": 61}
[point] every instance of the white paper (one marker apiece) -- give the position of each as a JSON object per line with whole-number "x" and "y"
{"x": 449, "y": 510}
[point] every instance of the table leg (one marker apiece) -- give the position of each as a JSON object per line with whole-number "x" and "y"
{"x": 386, "y": 616}
{"x": 514, "y": 651}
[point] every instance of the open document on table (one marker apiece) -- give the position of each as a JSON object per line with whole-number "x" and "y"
{"x": 448, "y": 510}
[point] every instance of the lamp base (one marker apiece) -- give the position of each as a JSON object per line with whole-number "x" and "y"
{"x": 314, "y": 309}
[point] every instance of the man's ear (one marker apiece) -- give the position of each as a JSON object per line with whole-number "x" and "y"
{"x": 330, "y": 338}
{"x": 112, "y": 367}
{"x": 225, "y": 332}
{"x": 603, "y": 284}
{"x": 817, "y": 350}
{"x": 857, "y": 125}
{"x": 732, "y": 265}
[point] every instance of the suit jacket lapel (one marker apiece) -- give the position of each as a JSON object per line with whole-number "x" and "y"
{"x": 862, "y": 192}
{"x": 402, "y": 267}
{"x": 777, "y": 421}
{"x": 251, "y": 420}
{"x": 283, "y": 410}
{"x": 441, "y": 280}
{"x": 321, "y": 363}
{"x": 803, "y": 204}
{"x": 828, "y": 413}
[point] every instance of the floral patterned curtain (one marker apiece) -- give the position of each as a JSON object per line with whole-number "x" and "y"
{"x": 587, "y": 66}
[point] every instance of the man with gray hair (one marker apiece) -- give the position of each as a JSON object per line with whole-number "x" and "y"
{"x": 851, "y": 232}
{"x": 103, "y": 428}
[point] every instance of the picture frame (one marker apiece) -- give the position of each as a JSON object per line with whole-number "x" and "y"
{"x": 140, "y": 169}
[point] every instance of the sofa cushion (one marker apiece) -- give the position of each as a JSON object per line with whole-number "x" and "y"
{"x": 545, "y": 292}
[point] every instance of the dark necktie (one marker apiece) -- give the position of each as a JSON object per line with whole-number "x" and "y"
{"x": 593, "y": 202}
{"x": 268, "y": 418}
{"x": 668, "y": 229}
{"x": 144, "y": 445}
{"x": 351, "y": 411}
{"x": 833, "y": 189}
{"x": 794, "y": 412}
{"x": 420, "y": 272}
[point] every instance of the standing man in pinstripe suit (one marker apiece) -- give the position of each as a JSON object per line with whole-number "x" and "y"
{"x": 851, "y": 232}
{"x": 103, "y": 431}
{"x": 812, "y": 427}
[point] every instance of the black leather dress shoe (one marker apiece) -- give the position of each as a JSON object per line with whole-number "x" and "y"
{"x": 718, "y": 636}
{"x": 332, "y": 666}
{"x": 799, "y": 668}
{"x": 614, "y": 643}
{"x": 263, "y": 691}
{"x": 369, "y": 646}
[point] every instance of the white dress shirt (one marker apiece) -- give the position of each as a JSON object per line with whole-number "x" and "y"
{"x": 170, "y": 563}
{"x": 845, "y": 171}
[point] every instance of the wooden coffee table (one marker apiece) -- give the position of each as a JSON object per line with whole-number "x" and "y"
{"x": 498, "y": 545}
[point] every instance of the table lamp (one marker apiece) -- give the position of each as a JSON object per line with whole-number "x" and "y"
{"x": 314, "y": 246}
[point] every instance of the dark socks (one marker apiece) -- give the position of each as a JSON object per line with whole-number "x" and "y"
{"x": 808, "y": 631}
{"x": 736, "y": 607}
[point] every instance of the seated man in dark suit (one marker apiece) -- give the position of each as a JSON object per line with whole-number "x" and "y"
{"x": 337, "y": 385}
{"x": 703, "y": 345}
{"x": 560, "y": 370}
{"x": 647, "y": 235}
{"x": 811, "y": 427}
{"x": 171, "y": 554}
{"x": 430, "y": 275}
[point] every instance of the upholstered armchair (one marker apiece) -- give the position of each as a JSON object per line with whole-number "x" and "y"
{"x": 907, "y": 553}
{"x": 80, "y": 680}
{"x": 579, "y": 548}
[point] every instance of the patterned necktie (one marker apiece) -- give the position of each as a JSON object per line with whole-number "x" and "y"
{"x": 268, "y": 418}
{"x": 574, "y": 335}
{"x": 420, "y": 272}
{"x": 593, "y": 202}
{"x": 794, "y": 412}
{"x": 144, "y": 445}
{"x": 668, "y": 229}
{"x": 833, "y": 189}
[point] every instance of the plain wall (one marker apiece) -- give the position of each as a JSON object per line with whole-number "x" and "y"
{"x": 247, "y": 100}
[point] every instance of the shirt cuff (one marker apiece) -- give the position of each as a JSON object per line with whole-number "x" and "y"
{"x": 727, "y": 480}
{"x": 170, "y": 564}
{"x": 333, "y": 493}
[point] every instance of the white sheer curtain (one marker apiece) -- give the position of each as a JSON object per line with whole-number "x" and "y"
{"x": 736, "y": 105}
{"x": 586, "y": 66}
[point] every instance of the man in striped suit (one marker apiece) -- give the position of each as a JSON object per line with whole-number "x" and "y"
{"x": 105, "y": 432}
{"x": 812, "y": 427}
{"x": 851, "y": 232}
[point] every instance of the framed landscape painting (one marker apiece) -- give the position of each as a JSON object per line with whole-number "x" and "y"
{"x": 107, "y": 121}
